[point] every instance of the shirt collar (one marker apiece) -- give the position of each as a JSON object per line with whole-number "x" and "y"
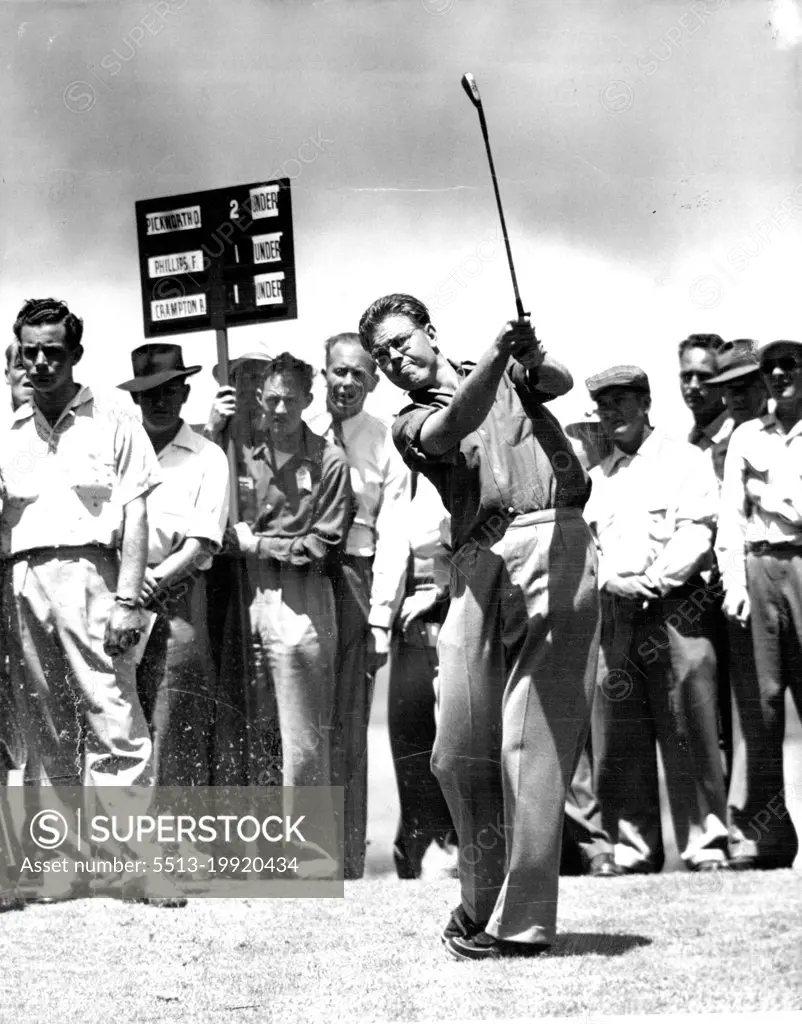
{"x": 617, "y": 455}
{"x": 716, "y": 427}
{"x": 352, "y": 425}
{"x": 259, "y": 451}
{"x": 83, "y": 395}
{"x": 769, "y": 422}
{"x": 185, "y": 438}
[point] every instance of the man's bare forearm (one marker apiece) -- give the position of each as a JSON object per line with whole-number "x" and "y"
{"x": 469, "y": 407}
{"x": 191, "y": 557}
{"x": 134, "y": 554}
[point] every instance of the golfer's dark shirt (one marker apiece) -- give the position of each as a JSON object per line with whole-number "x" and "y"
{"x": 519, "y": 460}
{"x": 303, "y": 509}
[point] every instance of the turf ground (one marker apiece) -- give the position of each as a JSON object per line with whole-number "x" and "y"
{"x": 676, "y": 942}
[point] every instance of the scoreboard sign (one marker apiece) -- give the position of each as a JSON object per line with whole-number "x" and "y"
{"x": 216, "y": 259}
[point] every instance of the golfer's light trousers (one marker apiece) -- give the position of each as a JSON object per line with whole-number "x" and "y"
{"x": 518, "y": 655}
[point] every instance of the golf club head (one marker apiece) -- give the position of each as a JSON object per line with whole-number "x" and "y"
{"x": 471, "y": 88}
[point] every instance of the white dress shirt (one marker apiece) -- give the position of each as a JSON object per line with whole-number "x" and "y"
{"x": 761, "y": 498}
{"x": 380, "y": 482}
{"x": 653, "y": 512}
{"x": 714, "y": 440}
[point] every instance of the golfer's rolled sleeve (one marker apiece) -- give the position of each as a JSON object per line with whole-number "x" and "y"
{"x": 549, "y": 381}
{"x": 517, "y": 461}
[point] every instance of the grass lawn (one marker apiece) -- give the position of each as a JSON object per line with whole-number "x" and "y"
{"x": 669, "y": 943}
{"x": 676, "y": 942}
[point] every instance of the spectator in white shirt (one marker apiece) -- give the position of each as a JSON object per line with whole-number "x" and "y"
{"x": 186, "y": 518}
{"x": 653, "y": 508}
{"x": 759, "y": 548}
{"x": 369, "y": 579}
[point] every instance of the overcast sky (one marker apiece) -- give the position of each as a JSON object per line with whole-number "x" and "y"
{"x": 648, "y": 156}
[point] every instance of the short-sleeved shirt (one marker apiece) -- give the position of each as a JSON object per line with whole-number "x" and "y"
{"x": 518, "y": 461}
{"x": 67, "y": 485}
{"x": 302, "y": 507}
{"x": 192, "y": 500}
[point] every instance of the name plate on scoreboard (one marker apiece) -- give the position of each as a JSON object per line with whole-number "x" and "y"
{"x": 215, "y": 259}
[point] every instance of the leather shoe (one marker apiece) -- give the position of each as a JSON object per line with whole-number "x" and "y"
{"x": 486, "y": 947}
{"x": 760, "y": 862}
{"x": 603, "y": 865}
{"x": 460, "y": 926}
{"x": 710, "y": 865}
{"x": 639, "y": 868}
{"x": 11, "y": 899}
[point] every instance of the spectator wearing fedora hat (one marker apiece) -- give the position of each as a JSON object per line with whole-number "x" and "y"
{"x": 759, "y": 548}
{"x": 745, "y": 397}
{"x": 186, "y": 519}
{"x": 742, "y": 389}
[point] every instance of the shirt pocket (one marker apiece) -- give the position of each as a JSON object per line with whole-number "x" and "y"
{"x": 93, "y": 483}
{"x": 170, "y": 529}
{"x": 659, "y": 515}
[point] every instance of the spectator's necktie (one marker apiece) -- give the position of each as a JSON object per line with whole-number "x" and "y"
{"x": 335, "y": 433}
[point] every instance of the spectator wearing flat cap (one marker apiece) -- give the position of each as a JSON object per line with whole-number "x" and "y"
{"x": 186, "y": 519}
{"x": 653, "y": 509}
{"x": 759, "y": 547}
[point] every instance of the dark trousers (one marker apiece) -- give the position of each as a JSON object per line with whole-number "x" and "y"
{"x": 353, "y": 695}
{"x": 726, "y": 668}
{"x": 246, "y": 743}
{"x": 175, "y": 684}
{"x": 745, "y": 694}
{"x": 424, "y": 817}
{"x": 775, "y": 595}
{"x": 584, "y": 836}
{"x": 657, "y": 685}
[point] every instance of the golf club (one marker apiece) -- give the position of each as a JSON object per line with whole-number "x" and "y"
{"x": 472, "y": 89}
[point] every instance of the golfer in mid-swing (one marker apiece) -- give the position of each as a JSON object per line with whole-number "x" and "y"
{"x": 519, "y": 646}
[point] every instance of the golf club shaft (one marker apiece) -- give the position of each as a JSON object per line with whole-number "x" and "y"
{"x": 518, "y": 304}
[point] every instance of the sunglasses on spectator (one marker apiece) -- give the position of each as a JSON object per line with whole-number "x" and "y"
{"x": 786, "y": 364}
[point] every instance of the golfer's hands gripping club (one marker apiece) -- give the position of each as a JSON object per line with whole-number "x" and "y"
{"x": 517, "y": 339}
